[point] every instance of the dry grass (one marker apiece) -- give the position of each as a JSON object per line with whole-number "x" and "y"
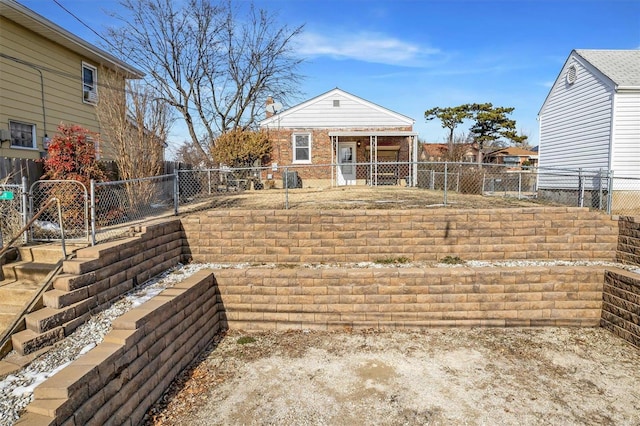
{"x": 361, "y": 197}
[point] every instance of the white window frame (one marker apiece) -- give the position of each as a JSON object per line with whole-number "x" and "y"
{"x": 34, "y": 144}
{"x": 294, "y": 151}
{"x": 90, "y": 91}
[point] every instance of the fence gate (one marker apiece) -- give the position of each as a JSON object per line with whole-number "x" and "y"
{"x": 12, "y": 212}
{"x": 74, "y": 208}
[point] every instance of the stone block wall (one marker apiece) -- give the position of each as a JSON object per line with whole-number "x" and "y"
{"x": 311, "y": 236}
{"x": 118, "y": 380}
{"x": 98, "y": 275}
{"x": 330, "y": 298}
{"x": 621, "y": 305}
{"x": 629, "y": 240}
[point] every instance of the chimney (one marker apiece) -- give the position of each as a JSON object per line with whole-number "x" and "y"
{"x": 268, "y": 102}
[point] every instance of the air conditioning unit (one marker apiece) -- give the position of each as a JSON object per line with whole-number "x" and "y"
{"x": 90, "y": 96}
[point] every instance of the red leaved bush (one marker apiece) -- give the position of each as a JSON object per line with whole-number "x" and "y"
{"x": 72, "y": 155}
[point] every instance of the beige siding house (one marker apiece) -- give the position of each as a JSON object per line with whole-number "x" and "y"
{"x": 48, "y": 76}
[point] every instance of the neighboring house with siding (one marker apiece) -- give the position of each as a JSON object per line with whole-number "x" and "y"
{"x": 512, "y": 156}
{"x": 356, "y": 141}
{"x": 590, "y": 119}
{"x": 48, "y": 76}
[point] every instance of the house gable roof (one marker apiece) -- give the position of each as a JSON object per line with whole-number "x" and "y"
{"x": 512, "y": 150}
{"x": 619, "y": 69}
{"x": 338, "y": 109}
{"x": 621, "y": 66}
{"x": 38, "y": 24}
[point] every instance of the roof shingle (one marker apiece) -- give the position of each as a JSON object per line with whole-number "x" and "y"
{"x": 621, "y": 66}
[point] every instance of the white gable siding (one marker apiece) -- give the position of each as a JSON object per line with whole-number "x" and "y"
{"x": 351, "y": 113}
{"x": 626, "y": 131}
{"x": 575, "y": 123}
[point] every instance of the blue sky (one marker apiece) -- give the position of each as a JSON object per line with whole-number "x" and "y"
{"x": 412, "y": 55}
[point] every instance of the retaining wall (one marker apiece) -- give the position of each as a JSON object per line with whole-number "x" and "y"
{"x": 629, "y": 240}
{"x": 97, "y": 276}
{"x": 310, "y": 236}
{"x": 328, "y": 298}
{"x": 119, "y": 380}
{"x": 621, "y": 305}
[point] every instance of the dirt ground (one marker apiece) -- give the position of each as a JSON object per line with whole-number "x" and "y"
{"x": 362, "y": 197}
{"x": 566, "y": 376}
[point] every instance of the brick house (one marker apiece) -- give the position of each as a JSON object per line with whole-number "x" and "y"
{"x": 340, "y": 139}
{"x": 512, "y": 156}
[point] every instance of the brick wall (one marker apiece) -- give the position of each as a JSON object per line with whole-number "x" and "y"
{"x": 95, "y": 277}
{"x": 282, "y": 144}
{"x": 629, "y": 240}
{"x": 119, "y": 380}
{"x": 310, "y": 236}
{"x": 328, "y": 298}
{"x": 621, "y": 305}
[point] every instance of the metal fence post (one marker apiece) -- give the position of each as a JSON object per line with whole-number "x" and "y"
{"x": 286, "y": 188}
{"x": 444, "y": 201}
{"x": 176, "y": 192}
{"x": 600, "y": 189}
{"x": 209, "y": 179}
{"x": 92, "y": 206}
{"x": 610, "y": 194}
{"x": 25, "y": 207}
{"x": 520, "y": 185}
{"x": 580, "y": 188}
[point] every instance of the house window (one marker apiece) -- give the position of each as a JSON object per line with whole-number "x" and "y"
{"x": 336, "y": 103}
{"x": 302, "y": 148}
{"x": 89, "y": 84}
{"x": 23, "y": 135}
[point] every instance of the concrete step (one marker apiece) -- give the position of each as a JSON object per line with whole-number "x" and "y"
{"x": 42, "y": 253}
{"x": 17, "y": 293}
{"x": 8, "y": 314}
{"x": 28, "y": 341}
{"x": 27, "y": 271}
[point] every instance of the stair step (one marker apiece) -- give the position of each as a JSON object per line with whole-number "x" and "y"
{"x": 7, "y": 318}
{"x": 17, "y": 293}
{"x": 27, "y": 270}
{"x": 28, "y": 341}
{"x": 47, "y": 318}
{"x": 43, "y": 253}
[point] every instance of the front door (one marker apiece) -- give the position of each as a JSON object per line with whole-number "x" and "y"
{"x": 346, "y": 163}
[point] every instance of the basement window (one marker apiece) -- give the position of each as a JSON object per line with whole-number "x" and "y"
{"x": 23, "y": 135}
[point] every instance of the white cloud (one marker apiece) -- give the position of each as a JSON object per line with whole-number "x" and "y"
{"x": 367, "y": 47}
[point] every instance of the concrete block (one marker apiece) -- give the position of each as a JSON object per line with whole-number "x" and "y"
{"x": 33, "y": 419}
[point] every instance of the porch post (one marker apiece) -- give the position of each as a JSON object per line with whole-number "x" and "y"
{"x": 370, "y": 160}
{"x": 414, "y": 179}
{"x": 333, "y": 167}
{"x": 374, "y": 155}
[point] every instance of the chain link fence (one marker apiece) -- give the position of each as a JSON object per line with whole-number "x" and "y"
{"x": 118, "y": 203}
{"x": 431, "y": 184}
{"x": 107, "y": 209}
{"x": 71, "y": 209}
{"x": 13, "y": 211}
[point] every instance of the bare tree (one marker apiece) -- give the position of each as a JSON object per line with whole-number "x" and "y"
{"x": 214, "y": 63}
{"x": 135, "y": 124}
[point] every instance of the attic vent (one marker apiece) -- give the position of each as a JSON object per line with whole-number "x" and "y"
{"x": 336, "y": 103}
{"x": 572, "y": 74}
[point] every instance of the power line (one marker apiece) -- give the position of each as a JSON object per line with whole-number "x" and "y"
{"x": 84, "y": 24}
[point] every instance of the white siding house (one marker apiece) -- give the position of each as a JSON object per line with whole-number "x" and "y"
{"x": 341, "y": 138}
{"x": 590, "y": 119}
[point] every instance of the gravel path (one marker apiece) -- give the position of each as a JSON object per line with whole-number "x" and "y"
{"x": 16, "y": 390}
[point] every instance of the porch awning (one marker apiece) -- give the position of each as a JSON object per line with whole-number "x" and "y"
{"x": 372, "y": 133}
